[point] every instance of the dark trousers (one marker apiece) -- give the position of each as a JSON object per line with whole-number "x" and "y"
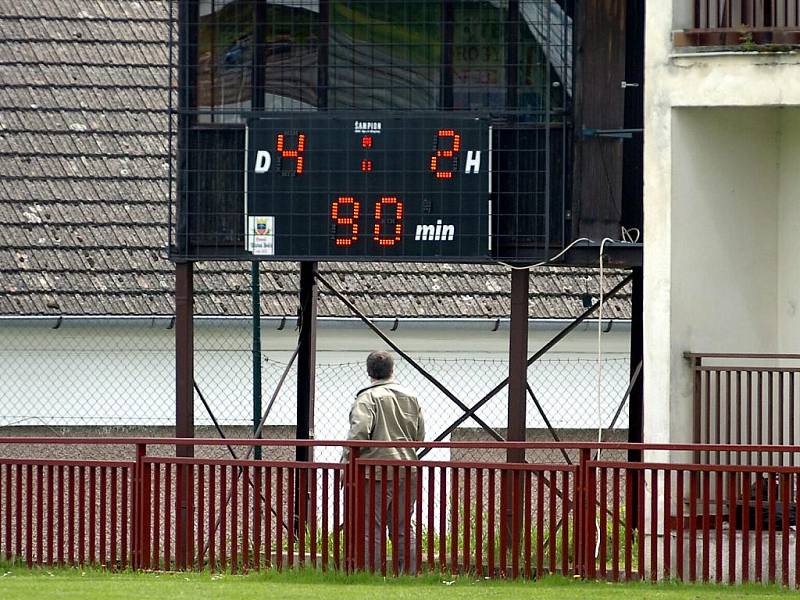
{"x": 376, "y": 526}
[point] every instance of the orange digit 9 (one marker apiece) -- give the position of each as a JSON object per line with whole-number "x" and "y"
{"x": 350, "y": 221}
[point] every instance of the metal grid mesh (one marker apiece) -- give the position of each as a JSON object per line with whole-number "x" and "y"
{"x": 497, "y": 55}
{"x": 508, "y": 62}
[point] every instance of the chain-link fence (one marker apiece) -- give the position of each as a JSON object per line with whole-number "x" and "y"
{"x": 73, "y": 373}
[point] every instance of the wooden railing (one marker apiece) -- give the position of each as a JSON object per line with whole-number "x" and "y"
{"x": 740, "y": 23}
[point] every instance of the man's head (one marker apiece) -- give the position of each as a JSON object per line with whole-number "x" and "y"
{"x": 380, "y": 365}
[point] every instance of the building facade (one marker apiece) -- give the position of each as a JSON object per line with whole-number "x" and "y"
{"x": 721, "y": 210}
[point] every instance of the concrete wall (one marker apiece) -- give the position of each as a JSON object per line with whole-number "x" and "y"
{"x": 788, "y": 296}
{"x": 723, "y": 267}
{"x": 124, "y": 374}
{"x": 724, "y": 264}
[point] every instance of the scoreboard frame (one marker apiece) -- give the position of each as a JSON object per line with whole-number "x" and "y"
{"x": 366, "y": 185}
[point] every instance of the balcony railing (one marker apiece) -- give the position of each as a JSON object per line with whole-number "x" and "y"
{"x": 743, "y": 24}
{"x": 746, "y": 399}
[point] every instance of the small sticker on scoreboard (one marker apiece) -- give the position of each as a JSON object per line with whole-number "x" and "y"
{"x": 262, "y": 234}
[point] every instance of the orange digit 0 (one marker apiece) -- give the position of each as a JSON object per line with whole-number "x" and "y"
{"x": 394, "y": 236}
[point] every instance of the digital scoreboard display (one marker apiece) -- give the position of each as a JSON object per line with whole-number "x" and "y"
{"x": 366, "y": 185}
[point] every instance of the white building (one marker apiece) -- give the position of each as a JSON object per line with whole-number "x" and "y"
{"x": 722, "y": 212}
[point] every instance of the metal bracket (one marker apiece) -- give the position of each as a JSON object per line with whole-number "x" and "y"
{"x": 621, "y": 134}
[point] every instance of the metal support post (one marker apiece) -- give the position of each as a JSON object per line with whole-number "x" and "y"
{"x": 636, "y": 405}
{"x": 517, "y": 400}
{"x": 306, "y": 359}
{"x": 184, "y": 355}
{"x": 257, "y": 103}
{"x": 306, "y": 363}
{"x": 256, "y": 298}
{"x": 184, "y": 400}
{"x": 517, "y": 367}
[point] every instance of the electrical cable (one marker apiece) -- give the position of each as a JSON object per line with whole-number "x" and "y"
{"x": 600, "y": 370}
{"x": 600, "y": 344}
{"x": 627, "y": 237}
{"x": 546, "y": 261}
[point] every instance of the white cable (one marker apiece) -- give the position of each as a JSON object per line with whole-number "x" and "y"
{"x": 627, "y": 237}
{"x": 600, "y": 347}
{"x": 547, "y": 261}
{"x": 600, "y": 369}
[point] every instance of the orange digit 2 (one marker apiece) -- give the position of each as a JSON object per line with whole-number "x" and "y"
{"x": 395, "y": 235}
{"x": 441, "y": 153}
{"x": 288, "y": 153}
{"x": 350, "y": 221}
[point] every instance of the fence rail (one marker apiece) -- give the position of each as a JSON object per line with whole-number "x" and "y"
{"x": 493, "y": 519}
{"x": 737, "y": 22}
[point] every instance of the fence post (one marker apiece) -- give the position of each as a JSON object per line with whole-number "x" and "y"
{"x": 360, "y": 490}
{"x": 137, "y": 522}
{"x": 697, "y": 382}
{"x": 146, "y": 507}
{"x": 350, "y": 515}
{"x": 581, "y": 514}
{"x": 590, "y": 498}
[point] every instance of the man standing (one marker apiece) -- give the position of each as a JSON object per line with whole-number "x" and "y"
{"x": 385, "y": 411}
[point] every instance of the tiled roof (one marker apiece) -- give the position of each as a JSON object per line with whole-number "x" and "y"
{"x": 84, "y": 179}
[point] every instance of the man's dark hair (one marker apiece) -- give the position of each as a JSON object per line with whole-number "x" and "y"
{"x": 380, "y": 365}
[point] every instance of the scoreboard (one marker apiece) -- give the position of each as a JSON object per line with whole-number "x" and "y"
{"x": 366, "y": 185}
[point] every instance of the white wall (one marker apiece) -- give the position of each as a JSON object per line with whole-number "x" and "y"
{"x": 722, "y": 268}
{"x": 125, "y": 374}
{"x": 788, "y": 296}
{"x": 724, "y": 247}
{"x": 657, "y": 222}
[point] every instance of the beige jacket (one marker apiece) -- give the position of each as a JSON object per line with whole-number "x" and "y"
{"x": 386, "y": 411}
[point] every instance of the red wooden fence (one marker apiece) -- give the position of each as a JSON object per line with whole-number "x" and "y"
{"x": 493, "y": 519}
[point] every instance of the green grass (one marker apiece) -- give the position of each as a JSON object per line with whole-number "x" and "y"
{"x": 68, "y": 584}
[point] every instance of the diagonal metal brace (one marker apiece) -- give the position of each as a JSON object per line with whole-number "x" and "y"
{"x": 410, "y": 360}
{"x": 547, "y": 422}
{"x": 541, "y": 352}
{"x": 213, "y": 530}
